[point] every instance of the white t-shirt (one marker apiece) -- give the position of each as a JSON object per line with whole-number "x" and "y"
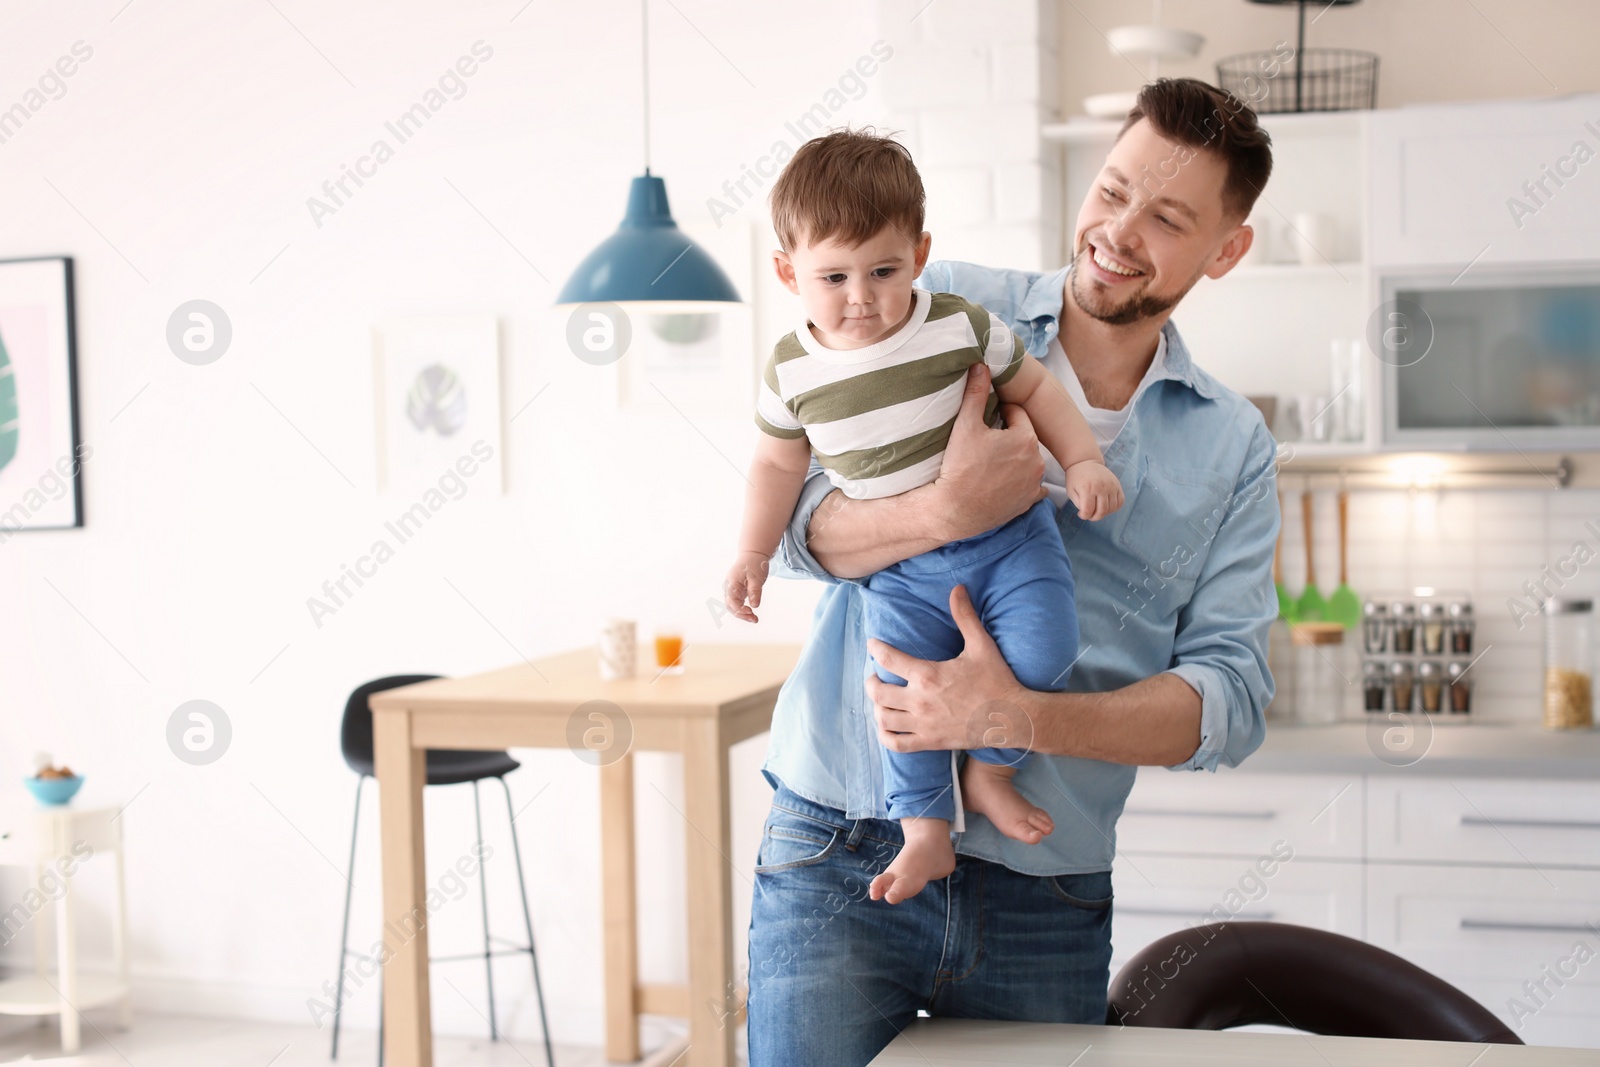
{"x": 1106, "y": 423}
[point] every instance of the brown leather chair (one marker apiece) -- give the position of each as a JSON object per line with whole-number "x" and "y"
{"x": 1222, "y": 975}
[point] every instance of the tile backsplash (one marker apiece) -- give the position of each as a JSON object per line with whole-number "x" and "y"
{"x": 1488, "y": 543}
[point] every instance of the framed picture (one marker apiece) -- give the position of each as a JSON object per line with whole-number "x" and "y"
{"x": 41, "y": 457}
{"x": 438, "y": 396}
{"x": 702, "y": 364}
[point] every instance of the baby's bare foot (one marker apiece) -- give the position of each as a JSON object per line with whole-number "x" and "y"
{"x": 927, "y": 855}
{"x": 987, "y": 789}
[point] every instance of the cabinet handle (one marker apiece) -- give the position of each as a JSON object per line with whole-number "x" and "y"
{"x": 1175, "y": 813}
{"x": 1541, "y": 824}
{"x": 1187, "y": 913}
{"x": 1549, "y": 928}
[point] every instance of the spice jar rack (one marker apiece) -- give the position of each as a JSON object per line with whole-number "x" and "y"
{"x": 1416, "y": 651}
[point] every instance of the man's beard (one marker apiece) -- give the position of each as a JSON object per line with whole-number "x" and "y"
{"x": 1144, "y": 306}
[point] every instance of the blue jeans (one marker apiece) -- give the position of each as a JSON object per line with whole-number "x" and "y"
{"x": 1021, "y": 585}
{"x": 835, "y": 976}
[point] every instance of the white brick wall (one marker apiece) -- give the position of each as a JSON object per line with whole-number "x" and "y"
{"x": 971, "y": 84}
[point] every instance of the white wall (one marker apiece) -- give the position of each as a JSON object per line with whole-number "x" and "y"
{"x": 177, "y": 166}
{"x": 219, "y": 498}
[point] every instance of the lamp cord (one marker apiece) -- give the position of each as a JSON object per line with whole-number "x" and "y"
{"x": 644, "y": 35}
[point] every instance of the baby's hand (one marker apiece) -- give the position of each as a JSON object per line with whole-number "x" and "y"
{"x": 1094, "y": 489}
{"x": 741, "y": 591}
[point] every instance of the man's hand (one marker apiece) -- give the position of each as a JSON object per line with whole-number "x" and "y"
{"x": 987, "y": 477}
{"x": 741, "y": 590}
{"x": 972, "y": 701}
{"x": 1094, "y": 489}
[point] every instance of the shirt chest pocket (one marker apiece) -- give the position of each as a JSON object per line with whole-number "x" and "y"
{"x": 1167, "y": 527}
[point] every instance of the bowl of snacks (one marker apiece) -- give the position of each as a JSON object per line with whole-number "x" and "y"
{"x": 50, "y": 784}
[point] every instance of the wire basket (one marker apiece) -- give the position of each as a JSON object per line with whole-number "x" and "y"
{"x": 1318, "y": 79}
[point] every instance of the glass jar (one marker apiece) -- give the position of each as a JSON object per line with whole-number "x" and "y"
{"x": 1430, "y": 684}
{"x": 1460, "y": 687}
{"x": 1403, "y": 626}
{"x": 1430, "y": 627}
{"x": 1374, "y": 685}
{"x": 1402, "y": 685}
{"x": 1280, "y": 664}
{"x": 1568, "y": 663}
{"x": 1459, "y": 614}
{"x": 1321, "y": 674}
{"x": 1374, "y": 628}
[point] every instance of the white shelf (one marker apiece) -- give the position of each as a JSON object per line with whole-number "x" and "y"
{"x": 1323, "y": 450}
{"x": 38, "y": 996}
{"x": 1299, "y": 272}
{"x": 1083, "y": 130}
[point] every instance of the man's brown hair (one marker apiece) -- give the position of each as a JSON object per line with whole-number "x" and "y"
{"x": 848, "y": 185}
{"x": 1201, "y": 116}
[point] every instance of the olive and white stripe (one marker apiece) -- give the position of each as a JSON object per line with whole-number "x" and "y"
{"x": 878, "y": 418}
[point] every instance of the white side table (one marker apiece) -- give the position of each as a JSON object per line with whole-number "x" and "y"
{"x": 50, "y": 841}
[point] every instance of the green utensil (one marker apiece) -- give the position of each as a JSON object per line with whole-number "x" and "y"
{"x": 1312, "y": 606}
{"x": 1287, "y": 608}
{"x": 8, "y": 409}
{"x": 1344, "y": 607}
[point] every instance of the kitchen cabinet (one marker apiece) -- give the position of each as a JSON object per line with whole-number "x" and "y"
{"x": 1523, "y": 941}
{"x": 1243, "y": 815}
{"x": 1499, "y": 182}
{"x": 1158, "y": 894}
{"x": 1497, "y": 358}
{"x": 1491, "y": 883}
{"x": 1485, "y": 822}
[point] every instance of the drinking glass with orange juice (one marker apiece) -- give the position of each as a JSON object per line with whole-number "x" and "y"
{"x": 669, "y": 649}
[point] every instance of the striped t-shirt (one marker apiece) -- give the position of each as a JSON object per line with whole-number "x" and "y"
{"x": 877, "y": 418}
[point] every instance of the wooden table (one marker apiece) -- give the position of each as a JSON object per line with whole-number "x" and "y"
{"x": 968, "y": 1042}
{"x": 725, "y": 695}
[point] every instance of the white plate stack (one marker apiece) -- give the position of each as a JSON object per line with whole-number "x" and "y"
{"x": 1151, "y": 44}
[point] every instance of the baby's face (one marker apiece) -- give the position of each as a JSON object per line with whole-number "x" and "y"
{"x": 855, "y": 296}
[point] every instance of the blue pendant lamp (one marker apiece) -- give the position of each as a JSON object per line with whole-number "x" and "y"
{"x": 649, "y": 260}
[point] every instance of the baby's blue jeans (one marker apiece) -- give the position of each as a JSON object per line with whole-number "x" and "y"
{"x": 1021, "y": 585}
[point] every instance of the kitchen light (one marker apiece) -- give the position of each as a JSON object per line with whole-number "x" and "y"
{"x": 649, "y": 260}
{"x": 1419, "y": 472}
{"x": 1430, "y": 473}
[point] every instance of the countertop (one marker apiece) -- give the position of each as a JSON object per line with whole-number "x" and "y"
{"x": 977, "y": 1043}
{"x": 1379, "y": 746}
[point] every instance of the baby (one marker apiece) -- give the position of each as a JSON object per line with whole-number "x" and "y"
{"x": 870, "y": 385}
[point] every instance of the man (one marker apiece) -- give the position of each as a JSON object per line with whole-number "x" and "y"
{"x": 1174, "y": 601}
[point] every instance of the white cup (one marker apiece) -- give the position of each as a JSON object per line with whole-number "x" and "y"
{"x": 1313, "y": 237}
{"x": 619, "y": 650}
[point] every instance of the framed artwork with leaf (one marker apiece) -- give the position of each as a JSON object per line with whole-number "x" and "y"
{"x": 41, "y": 455}
{"x": 438, "y": 396}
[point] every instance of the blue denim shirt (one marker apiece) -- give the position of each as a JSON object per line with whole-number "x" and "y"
{"x": 1179, "y": 580}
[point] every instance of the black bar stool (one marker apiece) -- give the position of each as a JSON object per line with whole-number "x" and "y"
{"x": 445, "y": 767}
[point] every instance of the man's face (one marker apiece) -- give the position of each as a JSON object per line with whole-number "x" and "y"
{"x": 1151, "y": 226}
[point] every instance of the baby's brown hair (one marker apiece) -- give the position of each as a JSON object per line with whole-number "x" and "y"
{"x": 848, "y": 184}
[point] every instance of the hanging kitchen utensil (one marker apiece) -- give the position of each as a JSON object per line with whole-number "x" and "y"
{"x": 1312, "y": 606}
{"x": 1344, "y": 607}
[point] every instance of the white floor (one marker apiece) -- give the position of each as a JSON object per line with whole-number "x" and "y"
{"x": 176, "y": 1041}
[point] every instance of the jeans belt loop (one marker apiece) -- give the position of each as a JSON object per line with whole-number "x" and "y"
{"x": 858, "y": 830}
